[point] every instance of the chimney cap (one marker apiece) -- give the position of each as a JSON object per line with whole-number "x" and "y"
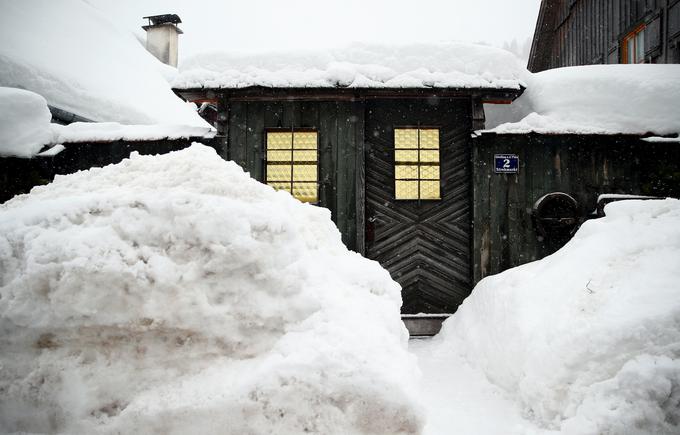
{"x": 155, "y": 20}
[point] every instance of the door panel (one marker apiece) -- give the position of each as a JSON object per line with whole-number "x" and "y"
{"x": 424, "y": 244}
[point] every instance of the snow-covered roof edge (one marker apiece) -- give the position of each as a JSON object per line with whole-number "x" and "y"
{"x": 451, "y": 65}
{"x": 26, "y": 130}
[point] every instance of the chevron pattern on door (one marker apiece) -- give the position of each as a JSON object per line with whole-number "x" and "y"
{"x": 425, "y": 245}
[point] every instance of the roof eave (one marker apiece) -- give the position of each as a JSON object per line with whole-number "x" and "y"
{"x": 490, "y": 95}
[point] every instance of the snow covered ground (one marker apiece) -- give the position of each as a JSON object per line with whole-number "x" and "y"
{"x": 458, "y": 398}
{"x": 174, "y": 294}
{"x": 585, "y": 341}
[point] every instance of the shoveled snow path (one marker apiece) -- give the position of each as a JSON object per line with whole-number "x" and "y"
{"x": 460, "y": 400}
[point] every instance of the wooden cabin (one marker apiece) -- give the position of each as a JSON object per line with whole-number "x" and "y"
{"x": 585, "y": 32}
{"x": 389, "y": 156}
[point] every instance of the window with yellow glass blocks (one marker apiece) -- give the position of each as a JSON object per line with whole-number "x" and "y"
{"x": 416, "y": 163}
{"x": 292, "y": 163}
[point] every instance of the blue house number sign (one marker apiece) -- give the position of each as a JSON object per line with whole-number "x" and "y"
{"x": 506, "y": 163}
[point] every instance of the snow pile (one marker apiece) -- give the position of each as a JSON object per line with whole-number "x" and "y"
{"x": 71, "y": 54}
{"x": 588, "y": 339}
{"x": 24, "y": 123}
{"x": 600, "y": 99}
{"x": 444, "y": 65}
{"x": 173, "y": 294}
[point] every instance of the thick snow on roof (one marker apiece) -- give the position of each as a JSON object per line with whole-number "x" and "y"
{"x": 24, "y": 123}
{"x": 71, "y": 54}
{"x": 174, "y": 294}
{"x": 587, "y": 339}
{"x": 444, "y": 65}
{"x": 601, "y": 99}
{"x": 25, "y": 127}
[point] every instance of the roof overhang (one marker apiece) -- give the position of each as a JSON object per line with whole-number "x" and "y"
{"x": 260, "y": 93}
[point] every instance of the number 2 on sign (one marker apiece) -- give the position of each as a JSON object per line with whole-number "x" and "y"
{"x": 506, "y": 163}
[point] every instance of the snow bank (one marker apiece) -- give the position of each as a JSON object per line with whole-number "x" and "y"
{"x": 24, "y": 123}
{"x": 587, "y": 339}
{"x": 71, "y": 54}
{"x": 600, "y": 99}
{"x": 173, "y": 294}
{"x": 444, "y": 65}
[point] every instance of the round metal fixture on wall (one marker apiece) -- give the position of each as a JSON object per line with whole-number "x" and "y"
{"x": 555, "y": 216}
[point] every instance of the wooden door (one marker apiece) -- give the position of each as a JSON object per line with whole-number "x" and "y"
{"x": 424, "y": 244}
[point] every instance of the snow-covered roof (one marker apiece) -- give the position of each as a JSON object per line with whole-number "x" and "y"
{"x": 600, "y": 99}
{"x": 71, "y": 54}
{"x": 443, "y": 65}
{"x": 24, "y": 123}
{"x": 25, "y": 127}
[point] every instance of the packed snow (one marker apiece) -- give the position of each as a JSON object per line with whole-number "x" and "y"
{"x": 597, "y": 99}
{"x": 443, "y": 65}
{"x": 24, "y": 123}
{"x": 71, "y": 54}
{"x": 26, "y": 128}
{"x": 587, "y": 340}
{"x": 173, "y": 294}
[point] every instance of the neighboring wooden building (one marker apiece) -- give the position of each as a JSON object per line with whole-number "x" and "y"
{"x": 584, "y": 32}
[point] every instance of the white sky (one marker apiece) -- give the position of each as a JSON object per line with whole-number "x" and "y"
{"x": 265, "y": 25}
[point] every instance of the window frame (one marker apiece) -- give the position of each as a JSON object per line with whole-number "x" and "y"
{"x": 418, "y": 163}
{"x": 293, "y": 130}
{"x": 629, "y": 44}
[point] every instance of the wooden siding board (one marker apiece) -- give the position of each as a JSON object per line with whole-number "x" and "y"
{"x": 345, "y": 177}
{"x": 360, "y": 180}
{"x": 328, "y": 125}
{"x": 237, "y": 133}
{"x": 255, "y": 140}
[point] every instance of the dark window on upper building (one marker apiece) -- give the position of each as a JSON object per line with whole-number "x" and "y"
{"x": 633, "y": 46}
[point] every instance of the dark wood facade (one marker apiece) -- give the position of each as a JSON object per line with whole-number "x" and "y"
{"x": 584, "y": 32}
{"x": 426, "y": 245}
{"x": 483, "y": 223}
{"x": 582, "y": 166}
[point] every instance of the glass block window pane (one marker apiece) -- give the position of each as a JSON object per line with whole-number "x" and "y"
{"x": 406, "y": 172}
{"x": 429, "y": 189}
{"x": 292, "y": 163}
{"x": 406, "y": 138}
{"x": 279, "y": 140}
{"x": 406, "y": 189}
{"x": 416, "y": 164}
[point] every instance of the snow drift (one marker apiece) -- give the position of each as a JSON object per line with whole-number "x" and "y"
{"x": 71, "y": 54}
{"x": 587, "y": 339}
{"x": 443, "y": 65}
{"x": 597, "y": 99}
{"x": 174, "y": 294}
